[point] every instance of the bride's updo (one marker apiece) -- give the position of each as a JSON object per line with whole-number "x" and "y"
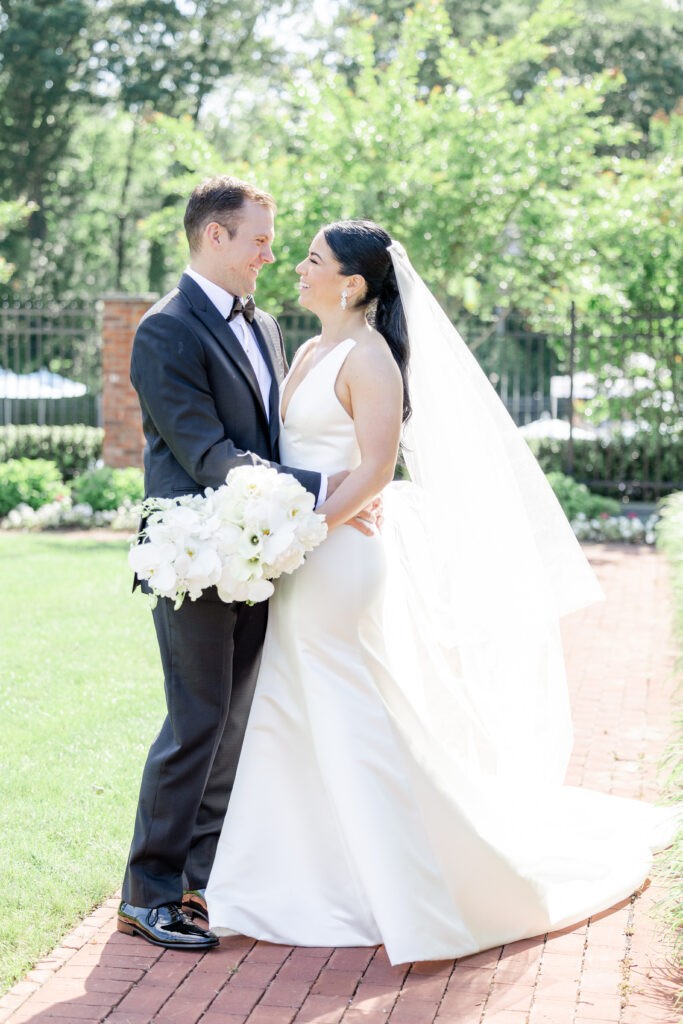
{"x": 360, "y": 247}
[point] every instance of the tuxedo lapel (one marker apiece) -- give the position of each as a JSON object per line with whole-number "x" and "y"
{"x": 204, "y": 310}
{"x": 270, "y": 352}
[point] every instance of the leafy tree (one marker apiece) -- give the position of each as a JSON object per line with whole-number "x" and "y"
{"x": 12, "y": 214}
{"x": 463, "y": 174}
{"x": 504, "y": 200}
{"x": 62, "y": 62}
{"x": 642, "y": 40}
{"x": 629, "y": 221}
{"x": 630, "y": 333}
{"x": 46, "y": 69}
{"x": 168, "y": 55}
{"x": 79, "y": 254}
{"x": 501, "y": 203}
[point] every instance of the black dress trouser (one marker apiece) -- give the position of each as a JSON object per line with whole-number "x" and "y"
{"x": 210, "y": 654}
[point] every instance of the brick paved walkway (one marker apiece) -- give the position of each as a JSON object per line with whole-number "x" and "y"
{"x": 609, "y": 970}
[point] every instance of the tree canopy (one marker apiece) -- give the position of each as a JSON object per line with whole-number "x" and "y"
{"x": 494, "y": 140}
{"x": 500, "y": 203}
{"x": 642, "y": 41}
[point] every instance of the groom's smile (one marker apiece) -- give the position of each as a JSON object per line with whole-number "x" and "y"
{"x": 248, "y": 250}
{"x": 231, "y": 251}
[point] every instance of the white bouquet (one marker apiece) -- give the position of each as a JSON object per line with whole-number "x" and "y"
{"x": 256, "y": 526}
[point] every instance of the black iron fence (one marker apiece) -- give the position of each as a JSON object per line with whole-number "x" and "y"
{"x": 50, "y": 364}
{"x": 623, "y": 381}
{"x": 601, "y": 399}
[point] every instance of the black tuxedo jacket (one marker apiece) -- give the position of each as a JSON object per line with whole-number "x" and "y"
{"x": 202, "y": 410}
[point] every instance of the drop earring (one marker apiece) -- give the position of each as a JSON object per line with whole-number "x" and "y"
{"x": 343, "y": 300}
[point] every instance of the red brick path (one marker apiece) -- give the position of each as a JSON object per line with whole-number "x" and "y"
{"x": 609, "y": 970}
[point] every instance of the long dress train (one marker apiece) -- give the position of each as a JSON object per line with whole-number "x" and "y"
{"x": 359, "y": 814}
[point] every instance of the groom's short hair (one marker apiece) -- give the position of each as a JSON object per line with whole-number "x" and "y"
{"x": 220, "y": 199}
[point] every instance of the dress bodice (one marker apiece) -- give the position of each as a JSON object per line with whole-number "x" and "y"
{"x": 317, "y": 432}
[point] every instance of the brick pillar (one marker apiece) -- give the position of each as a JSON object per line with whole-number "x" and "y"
{"x": 123, "y": 437}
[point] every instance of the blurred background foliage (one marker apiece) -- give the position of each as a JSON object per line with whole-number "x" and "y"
{"x": 527, "y": 153}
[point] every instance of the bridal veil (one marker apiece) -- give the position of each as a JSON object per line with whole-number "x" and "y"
{"x": 484, "y": 563}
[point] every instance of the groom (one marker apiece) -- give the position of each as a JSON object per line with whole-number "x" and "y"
{"x": 207, "y": 367}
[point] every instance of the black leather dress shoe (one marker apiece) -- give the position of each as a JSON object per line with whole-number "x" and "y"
{"x": 194, "y": 902}
{"x": 167, "y": 926}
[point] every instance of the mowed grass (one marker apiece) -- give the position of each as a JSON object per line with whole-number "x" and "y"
{"x": 81, "y": 699}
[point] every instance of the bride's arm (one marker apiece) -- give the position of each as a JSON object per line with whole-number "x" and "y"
{"x": 375, "y": 396}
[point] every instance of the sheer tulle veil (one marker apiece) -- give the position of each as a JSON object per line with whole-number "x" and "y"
{"x": 483, "y": 564}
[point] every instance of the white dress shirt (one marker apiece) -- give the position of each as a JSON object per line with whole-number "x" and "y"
{"x": 223, "y": 301}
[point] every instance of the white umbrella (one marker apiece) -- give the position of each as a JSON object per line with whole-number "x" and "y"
{"x": 585, "y": 385}
{"x": 557, "y": 429}
{"x": 39, "y": 384}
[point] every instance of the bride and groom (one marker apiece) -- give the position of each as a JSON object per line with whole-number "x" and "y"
{"x": 399, "y": 711}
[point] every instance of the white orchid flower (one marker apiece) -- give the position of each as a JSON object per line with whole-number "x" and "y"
{"x": 154, "y": 563}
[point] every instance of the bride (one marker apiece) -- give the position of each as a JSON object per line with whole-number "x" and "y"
{"x": 401, "y": 775}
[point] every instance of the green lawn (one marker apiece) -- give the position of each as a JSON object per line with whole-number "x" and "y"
{"x": 81, "y": 699}
{"x": 670, "y": 540}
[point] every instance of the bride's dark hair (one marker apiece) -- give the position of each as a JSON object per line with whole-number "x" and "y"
{"x": 360, "y": 247}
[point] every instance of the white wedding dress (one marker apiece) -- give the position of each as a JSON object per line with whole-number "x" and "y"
{"x": 362, "y": 811}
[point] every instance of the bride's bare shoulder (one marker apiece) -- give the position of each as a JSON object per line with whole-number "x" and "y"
{"x": 307, "y": 344}
{"x": 372, "y": 359}
{"x": 371, "y": 347}
{"x": 304, "y": 347}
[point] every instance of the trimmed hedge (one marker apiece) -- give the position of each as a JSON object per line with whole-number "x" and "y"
{"x": 73, "y": 448}
{"x": 645, "y": 457}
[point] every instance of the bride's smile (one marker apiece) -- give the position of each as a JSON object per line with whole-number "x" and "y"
{"x": 322, "y": 288}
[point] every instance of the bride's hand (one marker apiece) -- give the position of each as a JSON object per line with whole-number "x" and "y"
{"x": 369, "y": 520}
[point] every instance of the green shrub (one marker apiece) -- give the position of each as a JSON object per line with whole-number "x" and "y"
{"x": 33, "y": 481}
{"x": 576, "y": 498}
{"x": 107, "y": 488}
{"x": 631, "y": 462}
{"x": 73, "y": 448}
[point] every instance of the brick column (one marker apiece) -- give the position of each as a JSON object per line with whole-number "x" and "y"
{"x": 123, "y": 437}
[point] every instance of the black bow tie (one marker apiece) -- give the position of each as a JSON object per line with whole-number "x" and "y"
{"x": 248, "y": 309}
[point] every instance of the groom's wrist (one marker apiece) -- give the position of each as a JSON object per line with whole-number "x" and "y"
{"x": 322, "y": 493}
